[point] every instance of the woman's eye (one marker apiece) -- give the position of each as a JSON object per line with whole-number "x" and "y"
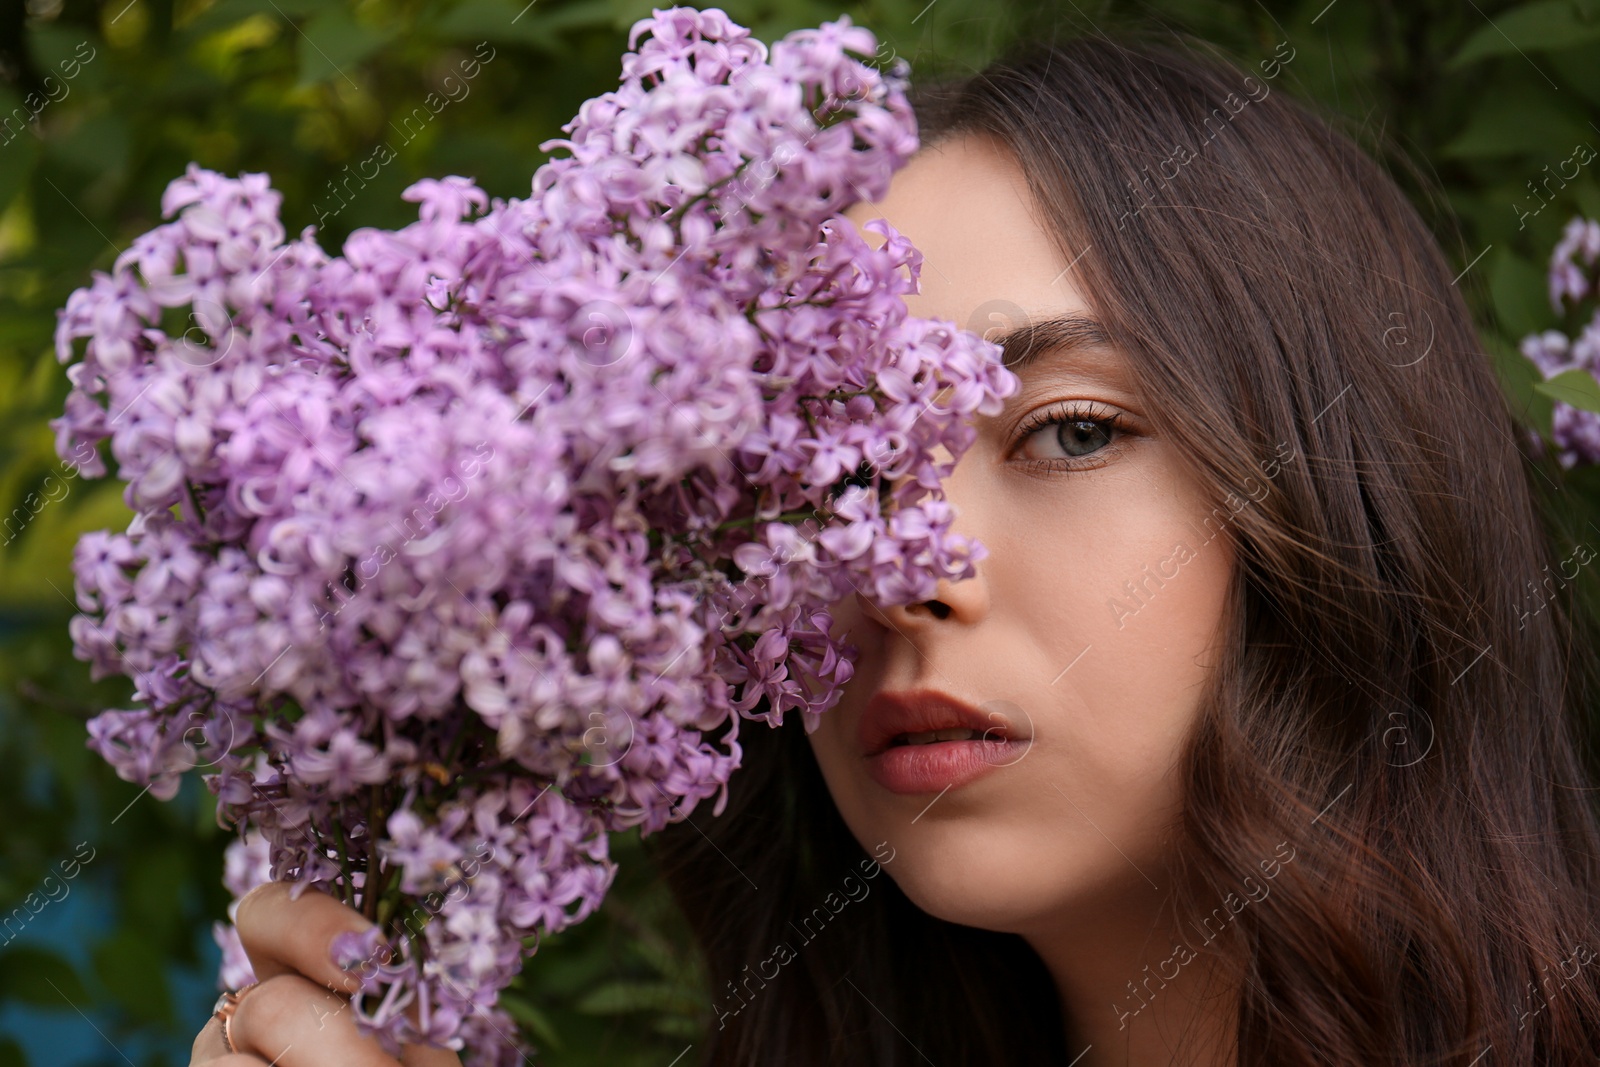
{"x": 1079, "y": 437}
{"x": 1060, "y": 437}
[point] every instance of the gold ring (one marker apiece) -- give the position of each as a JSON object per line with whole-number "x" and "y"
{"x": 226, "y": 1005}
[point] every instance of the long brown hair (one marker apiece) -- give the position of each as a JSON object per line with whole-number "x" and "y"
{"x": 1393, "y": 704}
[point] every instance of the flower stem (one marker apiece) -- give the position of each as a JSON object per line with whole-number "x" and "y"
{"x": 372, "y": 885}
{"x": 751, "y": 520}
{"x": 346, "y": 884}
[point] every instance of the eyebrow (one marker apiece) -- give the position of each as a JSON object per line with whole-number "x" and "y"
{"x": 1022, "y": 345}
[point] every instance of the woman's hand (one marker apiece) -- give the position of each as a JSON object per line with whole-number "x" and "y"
{"x": 299, "y": 1015}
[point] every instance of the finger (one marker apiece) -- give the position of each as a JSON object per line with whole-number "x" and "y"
{"x": 208, "y": 1043}
{"x": 209, "y": 1050}
{"x": 292, "y": 1022}
{"x": 428, "y": 1056}
{"x": 284, "y": 936}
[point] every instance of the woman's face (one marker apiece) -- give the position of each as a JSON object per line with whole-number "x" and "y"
{"x": 1091, "y": 624}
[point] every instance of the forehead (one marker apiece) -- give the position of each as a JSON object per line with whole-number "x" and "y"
{"x": 966, "y": 206}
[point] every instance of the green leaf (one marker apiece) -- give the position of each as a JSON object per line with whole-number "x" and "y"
{"x": 1521, "y": 298}
{"x": 587, "y": 14}
{"x": 498, "y": 21}
{"x": 61, "y": 50}
{"x": 152, "y": 885}
{"x": 123, "y": 963}
{"x": 677, "y": 1026}
{"x": 11, "y": 1054}
{"x": 34, "y": 976}
{"x": 1543, "y": 26}
{"x": 229, "y": 12}
{"x": 1529, "y": 122}
{"x": 659, "y": 955}
{"x": 42, "y": 554}
{"x": 61, "y": 740}
{"x": 1518, "y": 377}
{"x": 1580, "y": 69}
{"x": 98, "y": 145}
{"x": 536, "y": 1022}
{"x": 618, "y": 997}
{"x": 1588, "y": 197}
{"x": 333, "y": 43}
{"x": 20, "y": 153}
{"x": 1579, "y": 388}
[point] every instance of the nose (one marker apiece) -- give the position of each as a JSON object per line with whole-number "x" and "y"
{"x": 937, "y": 607}
{"x": 962, "y": 602}
{"x": 965, "y": 601}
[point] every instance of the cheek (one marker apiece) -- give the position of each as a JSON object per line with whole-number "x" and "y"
{"x": 1112, "y": 602}
{"x": 832, "y": 743}
{"x": 1133, "y": 699}
{"x": 1127, "y": 599}
{"x": 1151, "y": 645}
{"x": 1105, "y": 599}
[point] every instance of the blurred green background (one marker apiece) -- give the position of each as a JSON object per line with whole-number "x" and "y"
{"x": 1469, "y": 103}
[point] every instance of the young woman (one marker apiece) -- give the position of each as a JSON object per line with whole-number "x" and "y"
{"x": 1261, "y": 751}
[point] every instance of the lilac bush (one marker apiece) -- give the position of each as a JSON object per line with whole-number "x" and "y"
{"x": 454, "y": 552}
{"x": 1574, "y": 286}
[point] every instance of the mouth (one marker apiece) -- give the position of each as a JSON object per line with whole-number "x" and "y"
{"x": 928, "y": 737}
{"x": 928, "y": 717}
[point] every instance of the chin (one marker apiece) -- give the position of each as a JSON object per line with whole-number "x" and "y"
{"x": 1006, "y": 879}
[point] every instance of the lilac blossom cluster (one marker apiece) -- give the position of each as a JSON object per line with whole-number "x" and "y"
{"x": 1574, "y": 287}
{"x": 457, "y": 551}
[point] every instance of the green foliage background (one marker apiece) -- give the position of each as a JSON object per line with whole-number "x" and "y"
{"x": 1481, "y": 98}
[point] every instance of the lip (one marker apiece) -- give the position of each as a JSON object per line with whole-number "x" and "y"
{"x": 938, "y": 765}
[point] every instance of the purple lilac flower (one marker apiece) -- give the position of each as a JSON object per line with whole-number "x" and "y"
{"x": 246, "y": 864}
{"x": 1578, "y": 248}
{"x": 459, "y": 550}
{"x": 1574, "y": 285}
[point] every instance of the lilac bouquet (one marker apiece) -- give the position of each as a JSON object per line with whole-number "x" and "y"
{"x": 459, "y": 550}
{"x": 1574, "y": 287}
